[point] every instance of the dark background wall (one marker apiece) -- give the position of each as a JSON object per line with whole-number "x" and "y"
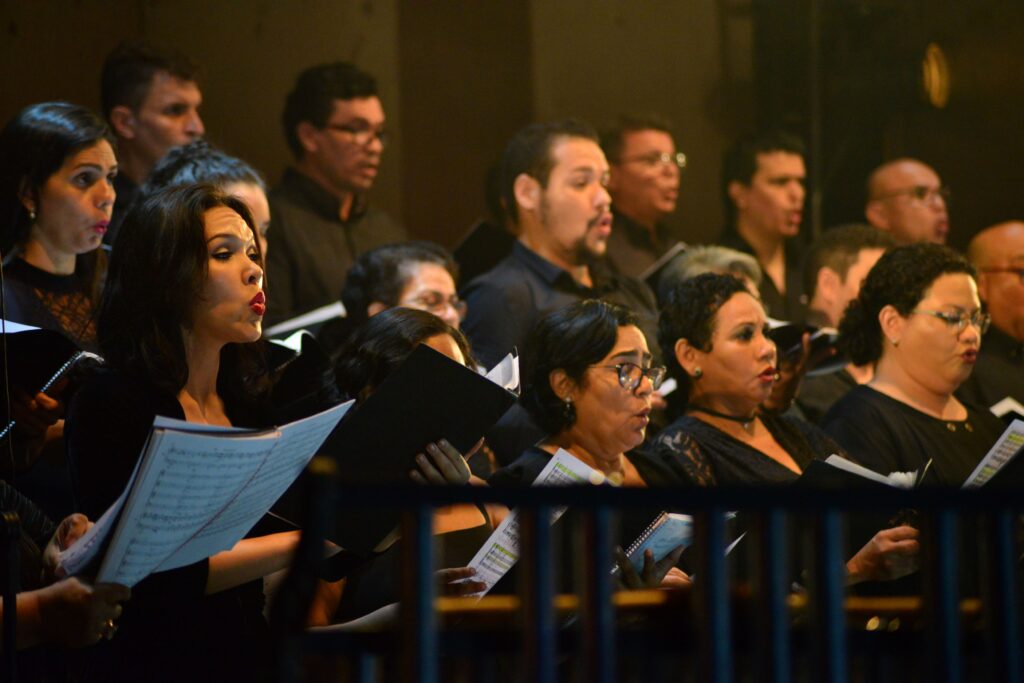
{"x": 458, "y": 77}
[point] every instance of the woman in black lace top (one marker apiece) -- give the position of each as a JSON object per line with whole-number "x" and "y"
{"x": 712, "y": 334}
{"x": 57, "y": 170}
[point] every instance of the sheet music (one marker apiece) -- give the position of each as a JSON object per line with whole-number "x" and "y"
{"x": 501, "y": 551}
{"x": 297, "y": 445}
{"x": 192, "y": 491}
{"x": 1005, "y": 447}
{"x": 506, "y": 373}
{"x": 668, "y": 533}
{"x": 317, "y": 315}
{"x": 185, "y": 480}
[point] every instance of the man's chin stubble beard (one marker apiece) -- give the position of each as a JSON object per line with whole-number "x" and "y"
{"x": 583, "y": 255}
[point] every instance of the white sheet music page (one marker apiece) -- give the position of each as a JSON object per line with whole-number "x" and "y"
{"x": 184, "y": 480}
{"x": 501, "y": 551}
{"x": 296, "y": 446}
{"x": 1005, "y": 447}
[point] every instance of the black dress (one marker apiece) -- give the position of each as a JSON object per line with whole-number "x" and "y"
{"x": 887, "y": 435}
{"x": 170, "y": 630}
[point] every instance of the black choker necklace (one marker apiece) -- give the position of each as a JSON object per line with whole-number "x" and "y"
{"x": 744, "y": 420}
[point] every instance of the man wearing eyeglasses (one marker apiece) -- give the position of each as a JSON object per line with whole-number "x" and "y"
{"x": 998, "y": 254}
{"x": 335, "y": 126}
{"x": 907, "y": 198}
{"x": 644, "y": 172}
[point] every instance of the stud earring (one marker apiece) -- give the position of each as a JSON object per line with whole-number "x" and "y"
{"x": 31, "y": 215}
{"x": 697, "y": 372}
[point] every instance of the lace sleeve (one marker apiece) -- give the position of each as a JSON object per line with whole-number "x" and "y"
{"x": 685, "y": 457}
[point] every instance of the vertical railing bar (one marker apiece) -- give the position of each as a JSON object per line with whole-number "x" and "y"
{"x": 711, "y": 597}
{"x": 538, "y": 595}
{"x": 1002, "y": 619}
{"x": 598, "y": 615}
{"x": 828, "y": 584}
{"x": 419, "y": 621}
{"x": 770, "y": 579}
{"x": 942, "y": 598}
{"x": 11, "y": 533}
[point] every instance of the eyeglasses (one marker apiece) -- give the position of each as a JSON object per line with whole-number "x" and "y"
{"x": 658, "y": 159}
{"x": 1019, "y": 272}
{"x": 961, "y": 320}
{"x": 361, "y": 135}
{"x": 922, "y": 194}
{"x": 631, "y": 374}
{"x": 435, "y": 302}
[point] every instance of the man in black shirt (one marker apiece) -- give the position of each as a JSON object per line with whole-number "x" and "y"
{"x": 998, "y": 254}
{"x": 644, "y": 184}
{"x": 334, "y": 123}
{"x": 553, "y": 179}
{"x": 151, "y": 101}
{"x": 763, "y": 183}
{"x": 553, "y": 184}
{"x": 837, "y": 264}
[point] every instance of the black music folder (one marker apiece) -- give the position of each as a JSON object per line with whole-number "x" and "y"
{"x": 430, "y": 397}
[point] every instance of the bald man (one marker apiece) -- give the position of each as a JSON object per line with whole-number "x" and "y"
{"x": 907, "y": 199}
{"x": 998, "y": 254}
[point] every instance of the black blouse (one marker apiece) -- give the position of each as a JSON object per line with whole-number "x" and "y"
{"x": 887, "y": 435}
{"x": 170, "y": 630}
{"x": 704, "y": 455}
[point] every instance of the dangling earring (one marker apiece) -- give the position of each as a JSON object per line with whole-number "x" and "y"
{"x": 697, "y": 372}
{"x": 568, "y": 410}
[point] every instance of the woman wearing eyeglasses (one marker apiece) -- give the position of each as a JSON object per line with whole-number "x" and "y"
{"x": 918, "y": 319}
{"x": 590, "y": 389}
{"x": 415, "y": 274}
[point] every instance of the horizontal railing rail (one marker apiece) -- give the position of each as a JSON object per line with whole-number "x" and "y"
{"x": 824, "y": 638}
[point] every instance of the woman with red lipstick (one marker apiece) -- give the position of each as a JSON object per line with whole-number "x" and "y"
{"x": 712, "y": 331}
{"x": 919, "y": 320}
{"x": 57, "y": 169}
{"x": 590, "y": 389}
{"x": 182, "y": 306}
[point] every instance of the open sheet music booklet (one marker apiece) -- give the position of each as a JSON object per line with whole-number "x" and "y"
{"x": 196, "y": 490}
{"x": 836, "y": 472}
{"x": 501, "y": 551}
{"x": 1003, "y": 464}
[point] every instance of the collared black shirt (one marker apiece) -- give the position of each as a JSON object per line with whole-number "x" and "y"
{"x": 507, "y": 301}
{"x": 792, "y": 305}
{"x": 632, "y": 249}
{"x": 310, "y": 248}
{"x": 998, "y": 373}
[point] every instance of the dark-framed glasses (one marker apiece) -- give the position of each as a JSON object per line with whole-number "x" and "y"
{"x": 360, "y": 134}
{"x": 961, "y": 320}
{"x": 1019, "y": 272}
{"x": 922, "y": 194}
{"x": 655, "y": 159}
{"x": 631, "y": 374}
{"x": 435, "y": 302}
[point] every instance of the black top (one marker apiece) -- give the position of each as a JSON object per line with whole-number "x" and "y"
{"x": 62, "y": 303}
{"x": 887, "y": 435}
{"x": 819, "y": 393}
{"x": 507, "y": 301}
{"x": 632, "y": 249}
{"x": 999, "y": 372}
{"x": 793, "y": 305}
{"x": 310, "y": 248}
{"x": 170, "y": 630}
{"x": 704, "y": 455}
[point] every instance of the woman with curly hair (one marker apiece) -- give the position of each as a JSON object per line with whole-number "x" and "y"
{"x": 919, "y": 320}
